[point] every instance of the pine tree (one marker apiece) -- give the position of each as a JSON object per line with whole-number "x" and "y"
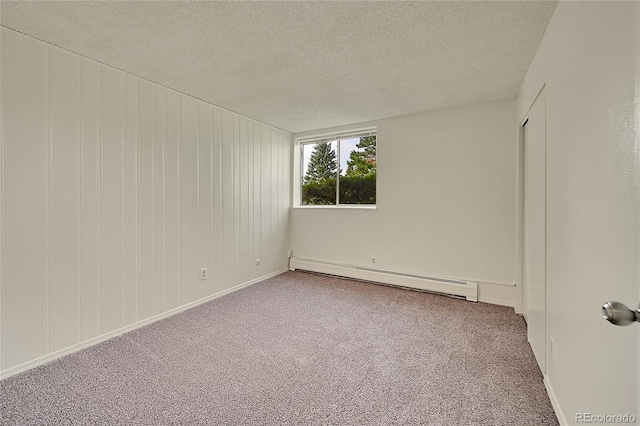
{"x": 322, "y": 164}
{"x": 363, "y": 163}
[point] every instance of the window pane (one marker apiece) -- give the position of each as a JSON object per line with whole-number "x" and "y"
{"x": 319, "y": 173}
{"x": 358, "y": 170}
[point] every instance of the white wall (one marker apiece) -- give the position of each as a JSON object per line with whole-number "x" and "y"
{"x": 115, "y": 192}
{"x": 588, "y": 61}
{"x": 446, "y": 202}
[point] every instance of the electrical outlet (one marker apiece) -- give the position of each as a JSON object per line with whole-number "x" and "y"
{"x": 552, "y": 348}
{"x": 257, "y": 261}
{"x": 373, "y": 260}
{"x": 203, "y": 274}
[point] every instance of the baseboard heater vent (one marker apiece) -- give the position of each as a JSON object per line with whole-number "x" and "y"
{"x": 466, "y": 289}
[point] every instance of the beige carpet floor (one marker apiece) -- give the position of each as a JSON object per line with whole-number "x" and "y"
{"x": 298, "y": 349}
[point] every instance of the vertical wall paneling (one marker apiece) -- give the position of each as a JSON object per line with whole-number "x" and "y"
{"x": 100, "y": 177}
{"x": 284, "y": 206}
{"x": 227, "y": 199}
{"x": 145, "y": 295}
{"x": 216, "y": 155}
{"x": 78, "y": 223}
{"x": 189, "y": 280}
{"x": 115, "y": 191}
{"x": 249, "y": 265}
{"x": 257, "y": 189}
{"x": 131, "y": 196}
{"x": 2, "y": 61}
{"x": 123, "y": 205}
{"x": 112, "y": 267}
{"x": 205, "y": 194}
{"x": 284, "y": 234}
{"x": 265, "y": 182}
{"x": 63, "y": 280}
{"x": 236, "y": 198}
{"x": 218, "y": 211}
{"x": 284, "y": 217}
{"x": 275, "y": 180}
{"x": 275, "y": 194}
{"x": 279, "y": 196}
{"x": 47, "y": 199}
{"x": 23, "y": 200}
{"x": 172, "y": 204}
{"x": 288, "y": 171}
{"x": 242, "y": 259}
{"x": 159, "y": 150}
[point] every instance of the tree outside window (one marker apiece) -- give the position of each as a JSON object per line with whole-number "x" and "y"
{"x": 342, "y": 171}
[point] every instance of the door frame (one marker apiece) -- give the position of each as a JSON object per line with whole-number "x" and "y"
{"x": 519, "y": 249}
{"x": 520, "y": 301}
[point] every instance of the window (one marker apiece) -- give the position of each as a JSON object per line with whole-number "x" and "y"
{"x": 339, "y": 169}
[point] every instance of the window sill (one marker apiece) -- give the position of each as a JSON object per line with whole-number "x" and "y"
{"x": 339, "y": 207}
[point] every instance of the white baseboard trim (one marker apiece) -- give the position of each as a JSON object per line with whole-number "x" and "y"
{"x": 496, "y": 301}
{"x": 467, "y": 289}
{"x": 554, "y": 402}
{"x": 106, "y": 336}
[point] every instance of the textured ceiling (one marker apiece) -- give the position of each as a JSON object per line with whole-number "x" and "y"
{"x": 305, "y": 65}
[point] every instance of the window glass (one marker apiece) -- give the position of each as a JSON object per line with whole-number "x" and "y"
{"x": 358, "y": 171}
{"x": 340, "y": 171}
{"x": 319, "y": 174}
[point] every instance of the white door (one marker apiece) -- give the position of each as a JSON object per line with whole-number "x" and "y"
{"x": 534, "y": 265}
{"x": 590, "y": 65}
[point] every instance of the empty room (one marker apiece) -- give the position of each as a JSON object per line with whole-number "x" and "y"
{"x": 193, "y": 229}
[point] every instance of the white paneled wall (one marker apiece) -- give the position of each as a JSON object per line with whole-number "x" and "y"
{"x": 115, "y": 192}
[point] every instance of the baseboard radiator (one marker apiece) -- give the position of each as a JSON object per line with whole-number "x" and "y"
{"x": 467, "y": 289}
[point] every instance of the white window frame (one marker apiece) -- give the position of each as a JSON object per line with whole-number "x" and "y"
{"x": 298, "y": 168}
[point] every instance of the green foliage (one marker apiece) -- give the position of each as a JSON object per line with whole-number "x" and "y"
{"x": 358, "y": 189}
{"x": 363, "y": 163}
{"x": 357, "y": 185}
{"x": 353, "y": 190}
{"x": 322, "y": 164}
{"x": 319, "y": 193}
